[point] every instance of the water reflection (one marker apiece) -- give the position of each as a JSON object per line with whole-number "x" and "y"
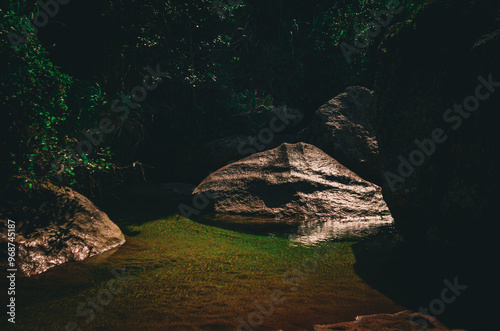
{"x": 312, "y": 232}
{"x": 307, "y": 232}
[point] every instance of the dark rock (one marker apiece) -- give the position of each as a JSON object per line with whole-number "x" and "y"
{"x": 217, "y": 153}
{"x": 274, "y": 130}
{"x": 288, "y": 117}
{"x": 165, "y": 191}
{"x": 342, "y": 129}
{"x": 402, "y": 321}
{"x": 429, "y": 66}
{"x": 292, "y": 180}
{"x": 53, "y": 226}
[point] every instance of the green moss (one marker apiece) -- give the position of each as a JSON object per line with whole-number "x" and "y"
{"x": 189, "y": 275}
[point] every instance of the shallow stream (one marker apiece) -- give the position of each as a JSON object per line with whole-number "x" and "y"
{"x": 179, "y": 274}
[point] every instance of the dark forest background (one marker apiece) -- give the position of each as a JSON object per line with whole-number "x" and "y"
{"x": 226, "y": 64}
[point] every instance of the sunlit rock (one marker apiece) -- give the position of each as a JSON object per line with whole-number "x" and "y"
{"x": 53, "y": 226}
{"x": 292, "y": 181}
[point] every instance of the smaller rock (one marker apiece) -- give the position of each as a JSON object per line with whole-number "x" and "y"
{"x": 342, "y": 128}
{"x": 405, "y": 320}
{"x": 53, "y": 226}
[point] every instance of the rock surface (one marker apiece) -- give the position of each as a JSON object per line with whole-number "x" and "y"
{"x": 402, "y": 321}
{"x": 448, "y": 198}
{"x": 342, "y": 128}
{"x": 58, "y": 226}
{"x": 292, "y": 180}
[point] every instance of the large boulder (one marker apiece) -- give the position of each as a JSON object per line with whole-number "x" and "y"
{"x": 342, "y": 128}
{"x": 52, "y": 226}
{"x": 436, "y": 107}
{"x": 292, "y": 181}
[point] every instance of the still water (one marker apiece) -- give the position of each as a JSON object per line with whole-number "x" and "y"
{"x": 210, "y": 274}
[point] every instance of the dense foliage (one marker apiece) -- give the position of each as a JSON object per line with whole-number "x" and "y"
{"x": 42, "y": 110}
{"x": 224, "y": 64}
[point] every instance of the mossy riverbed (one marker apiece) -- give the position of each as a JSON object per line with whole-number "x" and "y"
{"x": 185, "y": 275}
